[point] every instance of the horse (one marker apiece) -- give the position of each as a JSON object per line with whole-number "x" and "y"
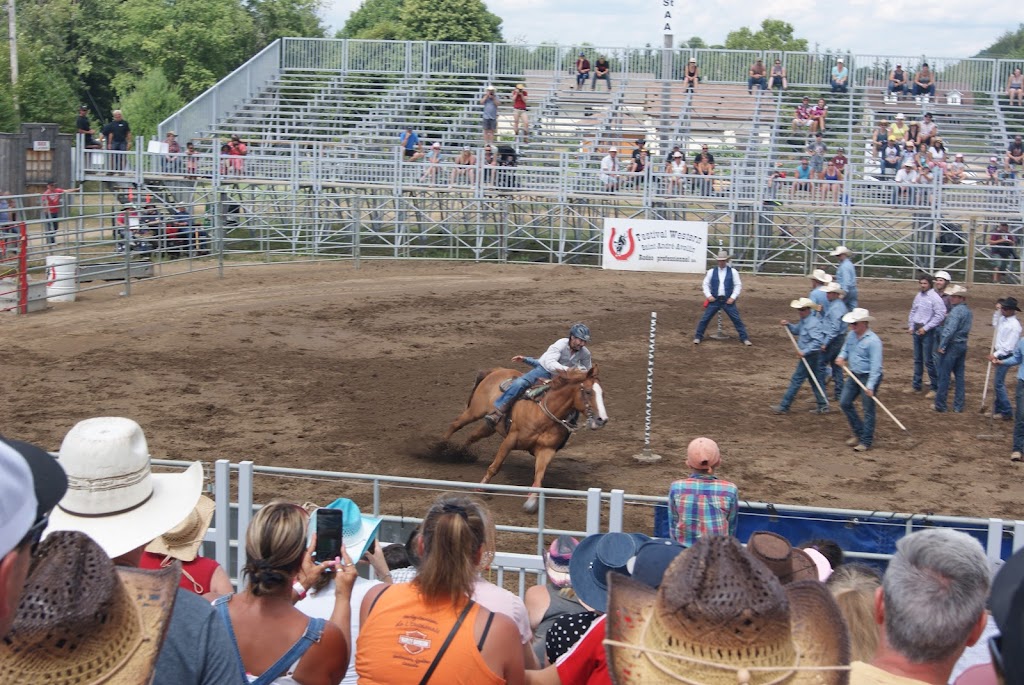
{"x": 537, "y": 426}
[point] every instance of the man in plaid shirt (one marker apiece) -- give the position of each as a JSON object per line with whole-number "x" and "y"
{"x": 702, "y": 504}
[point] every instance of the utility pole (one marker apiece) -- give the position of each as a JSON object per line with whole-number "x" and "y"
{"x": 12, "y": 39}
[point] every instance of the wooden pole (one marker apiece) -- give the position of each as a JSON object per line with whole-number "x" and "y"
{"x": 877, "y": 401}
{"x": 972, "y": 231}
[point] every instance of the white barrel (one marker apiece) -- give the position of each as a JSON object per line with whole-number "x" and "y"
{"x": 61, "y": 278}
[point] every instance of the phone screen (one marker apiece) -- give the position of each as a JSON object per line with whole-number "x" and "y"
{"x": 329, "y": 523}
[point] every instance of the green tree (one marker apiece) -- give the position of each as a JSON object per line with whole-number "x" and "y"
{"x": 694, "y": 43}
{"x": 275, "y": 19}
{"x": 375, "y": 20}
{"x": 10, "y": 122}
{"x": 775, "y": 34}
{"x": 451, "y": 20}
{"x": 150, "y": 100}
{"x": 1010, "y": 45}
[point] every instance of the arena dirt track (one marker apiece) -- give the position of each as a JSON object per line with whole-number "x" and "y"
{"x": 332, "y": 367}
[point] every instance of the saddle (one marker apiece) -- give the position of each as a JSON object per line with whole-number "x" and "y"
{"x": 535, "y": 391}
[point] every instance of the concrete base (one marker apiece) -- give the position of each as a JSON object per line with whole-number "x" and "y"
{"x": 647, "y": 457}
{"x": 9, "y": 295}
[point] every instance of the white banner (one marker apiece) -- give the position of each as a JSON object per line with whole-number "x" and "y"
{"x": 639, "y": 245}
{"x": 667, "y": 9}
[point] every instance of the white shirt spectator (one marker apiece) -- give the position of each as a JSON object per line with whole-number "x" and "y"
{"x": 1008, "y": 331}
{"x": 906, "y": 175}
{"x": 609, "y": 169}
{"x": 321, "y": 605}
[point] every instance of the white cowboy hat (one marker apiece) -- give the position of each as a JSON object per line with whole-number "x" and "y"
{"x": 899, "y": 115}
{"x": 842, "y": 249}
{"x": 803, "y": 303}
{"x": 956, "y": 290}
{"x": 820, "y": 276}
{"x": 723, "y": 255}
{"x": 832, "y": 287}
{"x": 944, "y": 275}
{"x": 857, "y": 315}
{"x": 112, "y": 495}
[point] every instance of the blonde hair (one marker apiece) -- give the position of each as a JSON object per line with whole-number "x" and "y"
{"x": 455, "y": 537}
{"x": 854, "y": 586}
{"x": 274, "y": 546}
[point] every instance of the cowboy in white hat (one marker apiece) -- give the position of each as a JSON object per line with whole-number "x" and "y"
{"x": 818, "y": 280}
{"x": 722, "y": 287}
{"x": 862, "y": 354}
{"x": 116, "y": 499}
{"x": 951, "y": 349}
{"x": 846, "y": 275}
{"x": 810, "y": 341}
{"x": 835, "y": 335}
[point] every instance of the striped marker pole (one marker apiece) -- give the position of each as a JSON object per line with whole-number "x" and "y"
{"x": 646, "y": 456}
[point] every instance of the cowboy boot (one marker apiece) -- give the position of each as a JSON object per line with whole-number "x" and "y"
{"x": 495, "y": 418}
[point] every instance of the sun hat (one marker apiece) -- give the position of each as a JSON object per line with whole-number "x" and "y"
{"x": 832, "y": 287}
{"x": 113, "y": 497}
{"x": 436, "y": 145}
{"x": 956, "y": 290}
{"x": 18, "y": 502}
{"x": 840, "y": 59}
{"x": 172, "y": 133}
{"x": 693, "y": 60}
{"x": 820, "y": 562}
{"x": 721, "y": 617}
{"x": 1009, "y": 303}
{"x": 899, "y": 115}
{"x": 490, "y": 87}
{"x": 857, "y": 315}
{"x": 595, "y": 559}
{"x": 842, "y": 249}
{"x": 703, "y": 454}
{"x": 959, "y": 154}
{"x": 909, "y": 163}
{"x": 992, "y": 159}
{"x": 788, "y": 563}
{"x": 723, "y": 254}
{"x": 652, "y": 559}
{"x": 820, "y": 276}
{"x": 184, "y": 540}
{"x": 677, "y": 154}
{"x": 521, "y": 86}
{"x": 357, "y": 529}
{"x": 558, "y": 557}
{"x": 84, "y": 620}
{"x": 944, "y": 275}
{"x": 803, "y": 303}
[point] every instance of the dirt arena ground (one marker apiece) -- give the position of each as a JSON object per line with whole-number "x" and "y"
{"x": 332, "y": 367}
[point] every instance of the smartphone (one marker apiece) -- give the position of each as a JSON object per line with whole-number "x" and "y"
{"x": 329, "y": 523}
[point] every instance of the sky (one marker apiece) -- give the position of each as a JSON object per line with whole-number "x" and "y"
{"x": 939, "y": 28}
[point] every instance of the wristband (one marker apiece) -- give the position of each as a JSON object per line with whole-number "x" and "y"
{"x": 299, "y": 590}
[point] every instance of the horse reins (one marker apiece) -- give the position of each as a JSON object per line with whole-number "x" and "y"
{"x": 589, "y": 411}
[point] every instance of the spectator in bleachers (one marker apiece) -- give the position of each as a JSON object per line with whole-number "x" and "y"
{"x": 910, "y": 153}
{"x": 924, "y": 82}
{"x": 199, "y": 574}
{"x": 272, "y": 638}
{"x": 775, "y": 182}
{"x": 490, "y": 164}
{"x": 412, "y": 146}
{"x": 778, "y": 76}
{"x": 898, "y": 129}
{"x": 610, "y": 171}
{"x": 816, "y": 150}
{"x": 489, "y": 100}
{"x": 520, "y": 119}
{"x": 453, "y": 544}
{"x": 433, "y": 171}
{"x": 819, "y": 113}
{"x": 582, "y": 70}
{"x": 172, "y": 162}
{"x": 702, "y": 504}
{"x": 640, "y": 144}
{"x": 840, "y": 77}
{"x": 802, "y": 117}
{"x": 956, "y": 170}
{"x": 840, "y": 161}
{"x": 122, "y": 505}
{"x": 237, "y": 150}
{"x": 931, "y": 608}
{"x": 675, "y": 173}
{"x": 545, "y": 603}
{"x": 465, "y": 167}
{"x": 925, "y": 132}
{"x": 992, "y": 172}
{"x": 906, "y": 179}
{"x": 1003, "y": 246}
{"x": 880, "y": 138}
{"x": 118, "y": 135}
{"x": 602, "y": 70}
{"x": 191, "y": 160}
{"x": 691, "y": 76}
{"x": 1014, "y": 157}
{"x": 637, "y": 168}
{"x": 1015, "y": 87}
{"x": 704, "y": 168}
{"x": 937, "y": 155}
{"x": 833, "y": 177}
{"x": 853, "y": 586}
{"x": 803, "y": 177}
{"x": 897, "y": 82}
{"x": 31, "y": 485}
{"x": 756, "y": 76}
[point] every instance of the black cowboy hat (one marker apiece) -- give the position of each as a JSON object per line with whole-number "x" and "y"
{"x": 1009, "y": 303}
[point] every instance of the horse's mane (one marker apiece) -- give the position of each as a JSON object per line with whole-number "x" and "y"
{"x": 563, "y": 378}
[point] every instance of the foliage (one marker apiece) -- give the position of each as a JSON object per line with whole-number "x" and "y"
{"x": 375, "y": 20}
{"x": 694, "y": 43}
{"x": 9, "y": 120}
{"x": 275, "y": 19}
{"x": 151, "y": 100}
{"x": 1010, "y": 45}
{"x": 451, "y": 20}
{"x": 775, "y": 34}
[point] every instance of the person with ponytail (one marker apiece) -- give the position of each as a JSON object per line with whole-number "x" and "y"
{"x": 430, "y": 630}
{"x": 277, "y": 643}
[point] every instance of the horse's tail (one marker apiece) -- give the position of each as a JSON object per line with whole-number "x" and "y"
{"x": 480, "y": 376}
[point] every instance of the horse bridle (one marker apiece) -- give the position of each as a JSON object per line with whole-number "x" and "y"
{"x": 588, "y": 410}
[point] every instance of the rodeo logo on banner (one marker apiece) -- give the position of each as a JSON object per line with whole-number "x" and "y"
{"x": 639, "y": 245}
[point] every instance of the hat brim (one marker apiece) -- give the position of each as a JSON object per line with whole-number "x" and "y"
{"x": 818, "y": 633}
{"x": 174, "y": 496}
{"x": 49, "y": 479}
{"x": 356, "y": 545}
{"x": 187, "y": 551}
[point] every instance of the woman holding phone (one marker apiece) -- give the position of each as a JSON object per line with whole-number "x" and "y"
{"x": 276, "y": 642}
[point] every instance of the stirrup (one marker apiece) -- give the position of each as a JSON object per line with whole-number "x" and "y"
{"x": 494, "y": 418}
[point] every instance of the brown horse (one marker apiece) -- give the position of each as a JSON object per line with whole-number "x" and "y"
{"x": 536, "y": 426}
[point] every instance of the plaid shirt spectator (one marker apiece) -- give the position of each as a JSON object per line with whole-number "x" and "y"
{"x": 701, "y": 505}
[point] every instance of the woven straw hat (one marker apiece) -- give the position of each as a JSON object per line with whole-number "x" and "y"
{"x": 184, "y": 540}
{"x": 105, "y": 626}
{"x": 722, "y": 617}
{"x": 788, "y": 563}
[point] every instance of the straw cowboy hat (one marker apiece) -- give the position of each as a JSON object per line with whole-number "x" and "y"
{"x": 113, "y": 497}
{"x": 721, "y": 617}
{"x": 83, "y": 620}
{"x": 803, "y": 303}
{"x": 832, "y": 287}
{"x": 956, "y": 290}
{"x": 184, "y": 540}
{"x": 820, "y": 276}
{"x": 842, "y": 249}
{"x": 857, "y": 315}
{"x": 723, "y": 255}
{"x": 788, "y": 563}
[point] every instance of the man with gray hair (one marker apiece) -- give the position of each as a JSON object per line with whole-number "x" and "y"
{"x": 931, "y": 606}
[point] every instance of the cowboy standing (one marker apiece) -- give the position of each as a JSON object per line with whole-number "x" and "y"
{"x": 1008, "y": 330}
{"x": 562, "y": 355}
{"x": 1015, "y": 359}
{"x": 817, "y": 295}
{"x": 722, "y": 287}
{"x": 832, "y": 324}
{"x": 862, "y": 353}
{"x": 951, "y": 349}
{"x": 924, "y": 322}
{"x": 846, "y": 275}
{"x": 703, "y": 504}
{"x": 810, "y": 341}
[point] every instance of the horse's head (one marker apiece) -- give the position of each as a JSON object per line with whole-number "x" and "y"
{"x": 590, "y": 400}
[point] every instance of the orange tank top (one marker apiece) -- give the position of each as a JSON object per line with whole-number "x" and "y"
{"x": 402, "y": 634}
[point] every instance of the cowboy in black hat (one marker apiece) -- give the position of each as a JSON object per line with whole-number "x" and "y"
{"x": 1007, "y": 334}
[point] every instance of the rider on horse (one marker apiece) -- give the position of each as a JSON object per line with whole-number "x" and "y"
{"x": 564, "y": 354}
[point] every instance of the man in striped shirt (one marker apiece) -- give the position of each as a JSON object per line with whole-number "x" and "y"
{"x": 703, "y": 504}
